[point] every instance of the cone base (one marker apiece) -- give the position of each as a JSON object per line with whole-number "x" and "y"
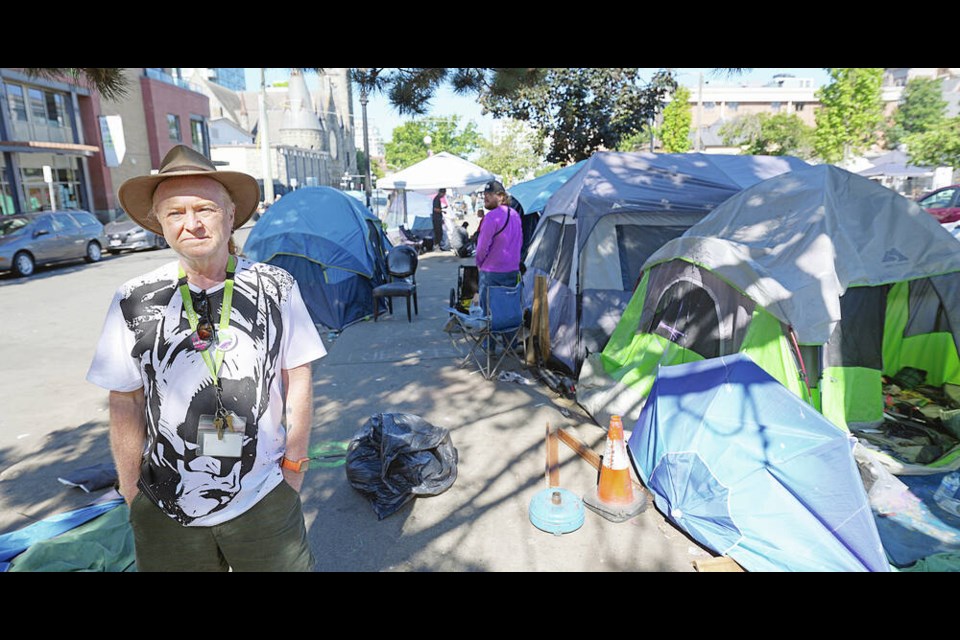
{"x": 615, "y": 512}
{"x": 564, "y": 516}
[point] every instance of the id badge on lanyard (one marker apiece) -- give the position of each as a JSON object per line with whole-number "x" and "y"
{"x": 222, "y": 433}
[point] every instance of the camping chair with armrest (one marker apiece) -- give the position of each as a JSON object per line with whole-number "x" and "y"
{"x": 402, "y": 270}
{"x": 500, "y": 328}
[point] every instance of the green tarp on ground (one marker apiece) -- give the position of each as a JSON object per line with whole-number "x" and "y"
{"x": 104, "y": 544}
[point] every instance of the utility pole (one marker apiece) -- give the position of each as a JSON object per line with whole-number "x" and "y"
{"x": 700, "y": 115}
{"x": 265, "y": 142}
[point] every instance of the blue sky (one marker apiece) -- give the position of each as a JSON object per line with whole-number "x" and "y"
{"x": 446, "y": 103}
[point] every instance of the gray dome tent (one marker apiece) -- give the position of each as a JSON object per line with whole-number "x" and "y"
{"x": 600, "y": 226}
{"x": 826, "y": 279}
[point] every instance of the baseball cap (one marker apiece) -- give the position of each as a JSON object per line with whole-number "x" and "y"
{"x": 494, "y": 187}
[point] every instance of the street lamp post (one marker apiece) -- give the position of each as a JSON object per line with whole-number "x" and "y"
{"x": 366, "y": 139}
{"x": 427, "y": 140}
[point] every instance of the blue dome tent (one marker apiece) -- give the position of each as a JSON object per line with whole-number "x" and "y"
{"x": 331, "y": 244}
{"x": 751, "y": 471}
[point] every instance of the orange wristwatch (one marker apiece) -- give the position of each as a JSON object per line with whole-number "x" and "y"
{"x": 297, "y": 466}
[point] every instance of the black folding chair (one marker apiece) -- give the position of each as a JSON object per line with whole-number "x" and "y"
{"x": 402, "y": 270}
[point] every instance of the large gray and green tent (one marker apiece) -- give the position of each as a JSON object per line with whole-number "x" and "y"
{"x": 824, "y": 278}
{"x": 599, "y": 227}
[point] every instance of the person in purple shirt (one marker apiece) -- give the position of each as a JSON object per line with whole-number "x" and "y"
{"x": 499, "y": 241}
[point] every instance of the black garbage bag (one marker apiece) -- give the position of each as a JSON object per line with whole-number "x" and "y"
{"x": 396, "y": 457}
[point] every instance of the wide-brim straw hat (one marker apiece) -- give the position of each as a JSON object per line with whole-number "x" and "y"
{"x": 136, "y": 194}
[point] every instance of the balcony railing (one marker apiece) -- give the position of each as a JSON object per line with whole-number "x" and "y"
{"x": 169, "y": 79}
{"x": 26, "y": 131}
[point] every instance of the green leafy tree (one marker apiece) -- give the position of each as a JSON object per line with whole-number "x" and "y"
{"x": 578, "y": 111}
{"x": 375, "y": 169}
{"x": 770, "y": 134}
{"x": 511, "y": 155}
{"x": 851, "y": 113}
{"x": 922, "y": 109}
{"x": 938, "y": 146}
{"x": 639, "y": 141}
{"x": 408, "y": 147}
{"x": 674, "y": 133}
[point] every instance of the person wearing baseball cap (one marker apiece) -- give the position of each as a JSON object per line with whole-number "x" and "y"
{"x": 199, "y": 357}
{"x": 499, "y": 241}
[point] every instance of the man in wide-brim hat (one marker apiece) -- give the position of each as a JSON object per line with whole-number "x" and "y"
{"x": 197, "y": 356}
{"x": 136, "y": 194}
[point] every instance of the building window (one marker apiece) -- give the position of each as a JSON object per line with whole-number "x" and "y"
{"x": 709, "y": 105}
{"x": 38, "y": 108}
{"x": 775, "y": 107}
{"x": 173, "y": 124}
{"x": 56, "y": 111}
{"x": 196, "y": 134}
{"x": 733, "y": 106}
{"x": 18, "y": 107}
{"x": 799, "y": 106}
{"x": 6, "y": 199}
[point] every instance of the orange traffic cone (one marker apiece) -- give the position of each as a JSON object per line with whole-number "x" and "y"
{"x": 614, "y": 498}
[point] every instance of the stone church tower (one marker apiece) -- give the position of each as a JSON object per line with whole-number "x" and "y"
{"x": 300, "y": 126}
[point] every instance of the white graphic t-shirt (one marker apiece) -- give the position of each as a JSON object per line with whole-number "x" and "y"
{"x": 145, "y": 343}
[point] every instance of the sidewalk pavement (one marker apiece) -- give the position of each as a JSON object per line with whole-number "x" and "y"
{"x": 482, "y": 522}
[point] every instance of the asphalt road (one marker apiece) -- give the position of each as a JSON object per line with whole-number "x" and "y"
{"x": 52, "y": 422}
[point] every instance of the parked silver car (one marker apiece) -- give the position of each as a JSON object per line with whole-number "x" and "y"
{"x": 46, "y": 237}
{"x": 123, "y": 233}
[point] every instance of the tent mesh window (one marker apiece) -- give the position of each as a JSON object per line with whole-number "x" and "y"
{"x": 857, "y": 340}
{"x": 926, "y": 311}
{"x": 688, "y": 315}
{"x": 695, "y": 309}
{"x": 554, "y": 254}
{"x": 636, "y": 243}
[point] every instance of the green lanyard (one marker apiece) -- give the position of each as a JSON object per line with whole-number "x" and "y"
{"x": 224, "y": 313}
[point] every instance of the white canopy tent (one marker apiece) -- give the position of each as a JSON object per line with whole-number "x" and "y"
{"x": 439, "y": 171}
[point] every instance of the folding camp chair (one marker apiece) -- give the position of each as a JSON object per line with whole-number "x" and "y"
{"x": 499, "y": 329}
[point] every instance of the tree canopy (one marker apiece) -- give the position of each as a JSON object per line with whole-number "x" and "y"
{"x": 922, "y": 108}
{"x": 408, "y": 146}
{"x": 510, "y": 155}
{"x": 851, "y": 115}
{"x": 770, "y": 134}
{"x": 938, "y": 146}
{"x": 578, "y": 111}
{"x": 674, "y": 133}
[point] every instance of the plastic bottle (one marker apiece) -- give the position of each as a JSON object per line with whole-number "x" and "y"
{"x": 946, "y": 496}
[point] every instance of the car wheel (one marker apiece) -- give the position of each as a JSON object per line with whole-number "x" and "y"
{"x": 160, "y": 242}
{"x": 94, "y": 253}
{"x": 23, "y": 264}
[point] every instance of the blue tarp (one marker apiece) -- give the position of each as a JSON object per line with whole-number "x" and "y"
{"x": 752, "y": 472}
{"x": 533, "y": 194}
{"x": 331, "y": 244}
{"x": 16, "y": 542}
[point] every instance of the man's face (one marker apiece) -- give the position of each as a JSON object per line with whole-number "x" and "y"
{"x": 195, "y": 214}
{"x": 491, "y": 200}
